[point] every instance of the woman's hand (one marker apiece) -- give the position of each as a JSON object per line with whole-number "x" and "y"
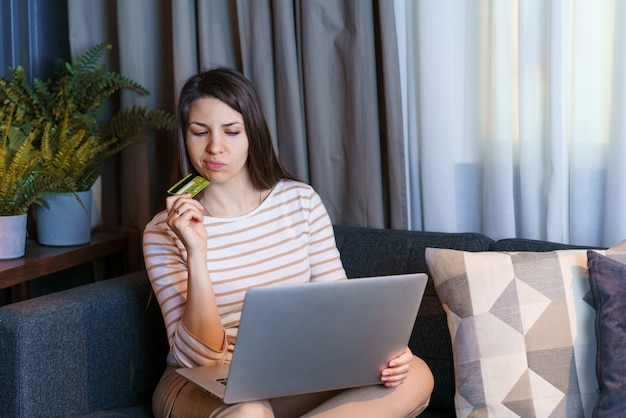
{"x": 201, "y": 317}
{"x": 184, "y": 216}
{"x": 397, "y": 369}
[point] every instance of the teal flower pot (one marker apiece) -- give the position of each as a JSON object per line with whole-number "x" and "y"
{"x": 66, "y": 222}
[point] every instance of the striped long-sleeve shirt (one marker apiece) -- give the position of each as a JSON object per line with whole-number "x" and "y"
{"x": 287, "y": 239}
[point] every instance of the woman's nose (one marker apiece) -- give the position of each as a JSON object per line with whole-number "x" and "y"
{"x": 214, "y": 145}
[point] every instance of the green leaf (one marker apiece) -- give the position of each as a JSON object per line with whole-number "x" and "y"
{"x": 52, "y": 138}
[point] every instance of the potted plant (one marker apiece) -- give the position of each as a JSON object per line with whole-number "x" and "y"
{"x": 73, "y": 142}
{"x": 23, "y": 180}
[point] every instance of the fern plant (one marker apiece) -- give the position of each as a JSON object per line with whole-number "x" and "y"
{"x": 56, "y": 122}
{"x": 23, "y": 178}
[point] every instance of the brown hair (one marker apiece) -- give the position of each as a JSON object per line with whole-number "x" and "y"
{"x": 232, "y": 88}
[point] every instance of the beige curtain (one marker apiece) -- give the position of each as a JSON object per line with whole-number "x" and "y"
{"x": 326, "y": 71}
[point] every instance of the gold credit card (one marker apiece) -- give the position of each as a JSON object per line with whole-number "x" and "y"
{"x": 191, "y": 184}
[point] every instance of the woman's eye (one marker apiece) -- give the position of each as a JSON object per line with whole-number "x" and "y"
{"x": 232, "y": 133}
{"x": 198, "y": 133}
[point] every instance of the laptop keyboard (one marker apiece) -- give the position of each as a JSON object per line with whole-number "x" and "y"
{"x": 223, "y": 380}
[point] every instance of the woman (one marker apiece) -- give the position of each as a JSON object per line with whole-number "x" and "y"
{"x": 255, "y": 224}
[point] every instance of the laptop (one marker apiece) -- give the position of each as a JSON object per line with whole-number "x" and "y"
{"x": 304, "y": 338}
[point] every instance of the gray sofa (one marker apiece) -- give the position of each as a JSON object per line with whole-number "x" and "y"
{"x": 98, "y": 350}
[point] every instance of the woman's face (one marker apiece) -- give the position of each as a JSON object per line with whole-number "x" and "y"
{"x": 217, "y": 142}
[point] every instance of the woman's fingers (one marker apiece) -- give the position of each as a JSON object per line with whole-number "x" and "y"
{"x": 398, "y": 369}
{"x": 395, "y": 380}
{"x": 176, "y": 206}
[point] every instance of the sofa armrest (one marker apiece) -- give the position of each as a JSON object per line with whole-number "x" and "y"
{"x": 94, "y": 347}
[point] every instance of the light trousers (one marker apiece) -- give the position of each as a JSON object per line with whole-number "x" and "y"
{"x": 175, "y": 397}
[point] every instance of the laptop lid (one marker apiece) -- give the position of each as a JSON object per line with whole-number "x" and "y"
{"x": 313, "y": 337}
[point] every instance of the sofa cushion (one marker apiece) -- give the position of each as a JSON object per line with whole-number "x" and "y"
{"x": 522, "y": 331}
{"x": 138, "y": 411}
{"x": 607, "y": 275}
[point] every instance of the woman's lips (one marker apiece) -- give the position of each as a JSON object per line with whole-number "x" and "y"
{"x": 214, "y": 165}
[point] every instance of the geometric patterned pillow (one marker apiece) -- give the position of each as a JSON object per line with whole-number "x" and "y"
{"x": 522, "y": 330}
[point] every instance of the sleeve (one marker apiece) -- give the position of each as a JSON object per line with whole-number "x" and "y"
{"x": 323, "y": 253}
{"x": 165, "y": 259}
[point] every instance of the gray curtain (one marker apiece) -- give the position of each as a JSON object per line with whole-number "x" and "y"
{"x": 327, "y": 72}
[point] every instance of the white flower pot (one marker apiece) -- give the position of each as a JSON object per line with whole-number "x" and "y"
{"x": 12, "y": 236}
{"x": 66, "y": 222}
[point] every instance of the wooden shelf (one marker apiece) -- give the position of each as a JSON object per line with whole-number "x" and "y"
{"x": 40, "y": 260}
